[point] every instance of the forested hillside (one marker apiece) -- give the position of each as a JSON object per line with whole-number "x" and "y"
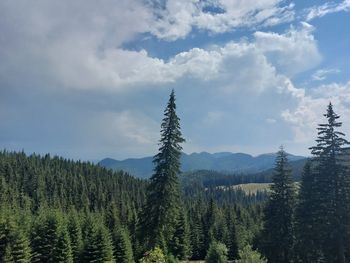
{"x": 76, "y": 211}
{"x": 207, "y": 178}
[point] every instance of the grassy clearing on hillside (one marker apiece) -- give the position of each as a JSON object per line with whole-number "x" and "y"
{"x": 251, "y": 188}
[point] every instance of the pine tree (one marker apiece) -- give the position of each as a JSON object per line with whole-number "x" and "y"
{"x": 14, "y": 246}
{"x": 50, "y": 240}
{"x": 45, "y": 238}
{"x": 112, "y": 217}
{"x": 75, "y": 236}
{"x": 98, "y": 245}
{"x": 278, "y": 225}
{"x": 104, "y": 245}
{"x": 180, "y": 244}
{"x": 306, "y": 249}
{"x": 197, "y": 236}
{"x": 63, "y": 250}
{"x": 122, "y": 246}
{"x": 331, "y": 211}
{"x": 232, "y": 242}
{"x": 161, "y": 209}
{"x": 210, "y": 219}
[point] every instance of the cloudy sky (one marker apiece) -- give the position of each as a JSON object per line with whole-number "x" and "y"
{"x": 90, "y": 79}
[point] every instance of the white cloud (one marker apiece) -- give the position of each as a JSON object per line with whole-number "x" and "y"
{"x": 75, "y": 47}
{"x": 327, "y": 8}
{"x": 291, "y": 53}
{"x": 84, "y": 52}
{"x": 176, "y": 18}
{"x": 322, "y": 74}
{"x": 310, "y": 109}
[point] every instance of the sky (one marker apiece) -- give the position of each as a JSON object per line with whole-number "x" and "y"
{"x": 89, "y": 79}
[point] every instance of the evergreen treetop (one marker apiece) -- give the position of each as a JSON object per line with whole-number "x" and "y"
{"x": 163, "y": 195}
{"x": 278, "y": 234}
{"x": 331, "y": 191}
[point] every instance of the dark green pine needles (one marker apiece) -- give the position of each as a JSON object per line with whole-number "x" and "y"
{"x": 161, "y": 209}
{"x": 277, "y": 235}
{"x": 14, "y": 246}
{"x": 328, "y": 197}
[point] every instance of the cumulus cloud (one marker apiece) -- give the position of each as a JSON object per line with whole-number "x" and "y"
{"x": 76, "y": 46}
{"x": 64, "y": 63}
{"x": 293, "y": 52}
{"x": 176, "y": 19}
{"x": 327, "y": 8}
{"x": 310, "y": 109}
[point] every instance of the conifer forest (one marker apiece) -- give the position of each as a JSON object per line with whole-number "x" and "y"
{"x": 54, "y": 209}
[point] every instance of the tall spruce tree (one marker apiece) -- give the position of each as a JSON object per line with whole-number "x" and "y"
{"x": 75, "y": 235}
{"x": 98, "y": 244}
{"x": 331, "y": 209}
{"x": 197, "y": 235}
{"x": 45, "y": 236}
{"x": 63, "y": 250}
{"x": 232, "y": 242}
{"x": 278, "y": 226}
{"x": 180, "y": 244}
{"x": 14, "y": 246}
{"x": 122, "y": 246}
{"x": 306, "y": 249}
{"x": 161, "y": 209}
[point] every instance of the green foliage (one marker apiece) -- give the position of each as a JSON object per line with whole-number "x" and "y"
{"x": 156, "y": 255}
{"x": 98, "y": 244}
{"x": 180, "y": 243}
{"x": 63, "y": 253}
{"x": 232, "y": 238}
{"x": 217, "y": 253}
{"x": 325, "y": 194}
{"x": 122, "y": 246}
{"x": 14, "y": 246}
{"x": 248, "y": 255}
{"x": 75, "y": 236}
{"x": 306, "y": 249}
{"x": 277, "y": 236}
{"x": 45, "y": 238}
{"x": 47, "y": 216}
{"x": 34, "y": 182}
{"x": 171, "y": 259}
{"x": 161, "y": 209}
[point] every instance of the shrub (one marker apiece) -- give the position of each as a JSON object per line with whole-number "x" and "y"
{"x": 171, "y": 259}
{"x": 156, "y": 255}
{"x": 248, "y": 255}
{"x": 217, "y": 253}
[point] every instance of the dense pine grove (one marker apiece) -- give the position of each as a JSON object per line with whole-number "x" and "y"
{"x": 58, "y": 210}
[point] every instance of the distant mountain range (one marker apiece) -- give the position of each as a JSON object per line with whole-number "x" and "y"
{"x": 222, "y": 162}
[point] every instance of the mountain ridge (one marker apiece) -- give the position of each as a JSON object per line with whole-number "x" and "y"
{"x": 220, "y": 161}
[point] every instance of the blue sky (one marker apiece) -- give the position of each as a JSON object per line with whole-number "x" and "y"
{"x": 88, "y": 80}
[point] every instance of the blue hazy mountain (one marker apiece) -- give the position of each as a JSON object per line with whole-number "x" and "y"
{"x": 222, "y": 161}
